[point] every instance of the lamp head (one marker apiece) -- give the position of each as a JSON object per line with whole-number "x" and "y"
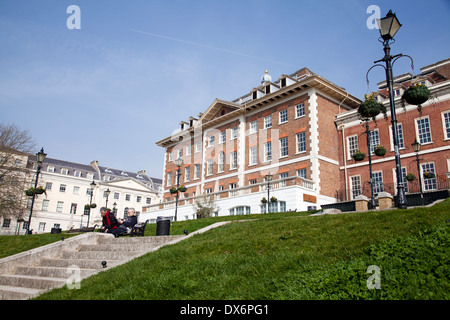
{"x": 388, "y": 26}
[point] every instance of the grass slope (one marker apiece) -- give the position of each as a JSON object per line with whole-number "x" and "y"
{"x": 291, "y": 257}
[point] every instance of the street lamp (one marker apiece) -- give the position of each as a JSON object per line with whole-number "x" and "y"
{"x": 389, "y": 26}
{"x": 268, "y": 179}
{"x": 40, "y": 157}
{"x": 107, "y": 193}
{"x": 178, "y": 163}
{"x": 416, "y": 147}
{"x": 93, "y": 185}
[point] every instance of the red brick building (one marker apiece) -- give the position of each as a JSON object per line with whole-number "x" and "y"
{"x": 302, "y": 130}
{"x": 431, "y": 128}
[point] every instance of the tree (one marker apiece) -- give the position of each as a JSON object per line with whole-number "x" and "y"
{"x": 205, "y": 206}
{"x": 15, "y": 146}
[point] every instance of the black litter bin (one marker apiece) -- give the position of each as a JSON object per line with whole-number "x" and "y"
{"x": 55, "y": 230}
{"x": 162, "y": 226}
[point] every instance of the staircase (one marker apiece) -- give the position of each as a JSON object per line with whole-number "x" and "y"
{"x": 29, "y": 274}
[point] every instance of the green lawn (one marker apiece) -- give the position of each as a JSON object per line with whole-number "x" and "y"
{"x": 290, "y": 256}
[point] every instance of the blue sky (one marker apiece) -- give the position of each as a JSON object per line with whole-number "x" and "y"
{"x": 135, "y": 69}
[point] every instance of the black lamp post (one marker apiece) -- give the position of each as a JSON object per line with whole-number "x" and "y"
{"x": 107, "y": 193}
{"x": 178, "y": 163}
{"x": 40, "y": 157}
{"x": 389, "y": 26}
{"x": 416, "y": 147}
{"x": 372, "y": 198}
{"x": 93, "y": 185}
{"x": 268, "y": 179}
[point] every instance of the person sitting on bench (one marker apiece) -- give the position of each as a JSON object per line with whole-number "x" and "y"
{"x": 129, "y": 223}
{"x": 110, "y": 223}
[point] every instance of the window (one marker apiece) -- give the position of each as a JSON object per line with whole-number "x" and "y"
{"x": 356, "y": 186}
{"x": 59, "y": 206}
{"x": 138, "y": 199}
{"x": 50, "y": 169}
{"x": 64, "y": 171}
{"x": 221, "y": 161}
{"x": 241, "y": 210}
{"x": 76, "y": 190}
{"x": 267, "y": 121}
{"x": 377, "y": 178}
{"x": 352, "y": 145}
{"x": 253, "y": 126}
{"x": 222, "y": 136}
{"x": 62, "y": 188}
{"x": 446, "y": 123}
{"x": 300, "y": 110}
{"x": 116, "y": 196}
{"x": 234, "y": 133}
{"x": 423, "y": 130}
{"x": 197, "y": 171}
{"x": 169, "y": 178}
{"x": 90, "y": 176}
{"x": 211, "y": 141}
{"x": 301, "y": 142}
{"x": 198, "y": 146}
{"x": 401, "y": 141}
{"x": 397, "y": 92}
{"x": 209, "y": 167}
{"x": 253, "y": 155}
{"x": 187, "y": 173}
{"x": 268, "y": 151}
{"x": 374, "y": 138}
{"x": 233, "y": 160}
{"x": 301, "y": 173}
{"x": 48, "y": 186}
{"x": 73, "y": 208}
{"x": 77, "y": 173}
{"x": 6, "y": 223}
{"x": 429, "y": 183}
{"x": 283, "y": 116}
{"x": 188, "y": 150}
{"x": 45, "y": 205}
{"x": 148, "y": 201}
{"x": 41, "y": 226}
{"x": 171, "y": 156}
{"x": 180, "y": 153}
{"x": 284, "y": 151}
{"x": 128, "y": 197}
{"x": 405, "y": 182}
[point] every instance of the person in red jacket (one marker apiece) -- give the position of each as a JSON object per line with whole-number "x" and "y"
{"x": 110, "y": 223}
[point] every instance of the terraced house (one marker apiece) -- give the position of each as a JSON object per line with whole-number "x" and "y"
{"x": 280, "y": 136}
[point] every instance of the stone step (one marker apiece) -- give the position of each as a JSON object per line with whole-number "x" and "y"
{"x": 130, "y": 247}
{"x": 33, "y": 282}
{"x": 54, "y": 272}
{"x": 130, "y": 240}
{"x": 105, "y": 255}
{"x": 17, "y": 293}
{"x": 80, "y": 263}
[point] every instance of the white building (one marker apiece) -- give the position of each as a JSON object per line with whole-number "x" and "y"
{"x": 68, "y": 191}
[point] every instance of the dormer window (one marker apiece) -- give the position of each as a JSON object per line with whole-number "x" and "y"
{"x": 108, "y": 170}
{"x": 268, "y": 89}
{"x": 124, "y": 173}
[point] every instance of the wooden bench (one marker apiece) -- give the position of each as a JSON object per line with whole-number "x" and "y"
{"x": 85, "y": 229}
{"x": 137, "y": 231}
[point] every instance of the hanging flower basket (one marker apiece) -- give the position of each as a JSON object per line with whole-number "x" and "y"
{"x": 429, "y": 175}
{"x": 416, "y": 94}
{"x": 32, "y": 191}
{"x": 182, "y": 188}
{"x": 93, "y": 206}
{"x": 88, "y": 207}
{"x": 263, "y": 200}
{"x": 380, "y": 151}
{"x": 173, "y": 190}
{"x": 358, "y": 156}
{"x": 370, "y": 108}
{"x": 273, "y": 199}
{"x": 410, "y": 177}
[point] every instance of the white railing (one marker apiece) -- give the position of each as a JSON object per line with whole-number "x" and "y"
{"x": 245, "y": 190}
